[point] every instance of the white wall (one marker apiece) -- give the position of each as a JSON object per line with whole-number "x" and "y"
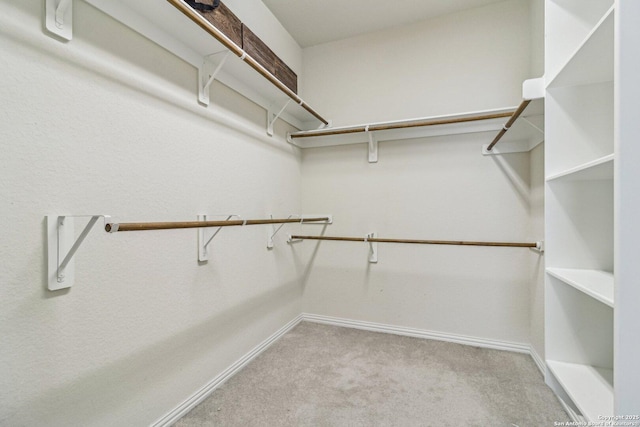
{"x": 468, "y": 61}
{"x": 438, "y": 188}
{"x": 109, "y": 124}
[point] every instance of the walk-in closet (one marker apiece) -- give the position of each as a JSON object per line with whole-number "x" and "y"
{"x": 319, "y": 213}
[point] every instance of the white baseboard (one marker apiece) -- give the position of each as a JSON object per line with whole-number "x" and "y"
{"x": 210, "y": 387}
{"x": 538, "y": 360}
{"x": 418, "y": 333}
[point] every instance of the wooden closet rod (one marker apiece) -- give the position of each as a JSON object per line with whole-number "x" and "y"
{"x": 523, "y": 105}
{"x": 144, "y": 226}
{"x": 229, "y": 44}
{"x": 419, "y": 242}
{"x": 399, "y": 125}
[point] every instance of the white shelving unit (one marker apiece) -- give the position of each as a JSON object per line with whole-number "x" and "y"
{"x": 582, "y": 293}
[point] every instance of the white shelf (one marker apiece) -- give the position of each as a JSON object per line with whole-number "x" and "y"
{"x": 590, "y": 388}
{"x": 526, "y": 133}
{"x": 599, "y": 169}
{"x": 593, "y": 61}
{"x": 595, "y": 283}
{"x": 165, "y": 25}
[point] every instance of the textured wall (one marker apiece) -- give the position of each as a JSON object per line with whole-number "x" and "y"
{"x": 438, "y": 188}
{"x": 109, "y": 124}
{"x": 467, "y": 61}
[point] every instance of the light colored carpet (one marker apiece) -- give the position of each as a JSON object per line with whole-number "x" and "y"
{"x": 318, "y": 375}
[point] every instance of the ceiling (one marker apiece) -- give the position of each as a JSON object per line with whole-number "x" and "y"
{"x": 313, "y": 22}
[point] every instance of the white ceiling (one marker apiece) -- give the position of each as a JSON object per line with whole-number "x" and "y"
{"x": 313, "y": 22}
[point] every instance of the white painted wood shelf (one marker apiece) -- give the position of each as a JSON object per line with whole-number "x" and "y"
{"x": 526, "y": 133}
{"x": 592, "y": 62}
{"x": 595, "y": 283}
{"x": 164, "y": 24}
{"x": 590, "y": 387}
{"x": 599, "y": 169}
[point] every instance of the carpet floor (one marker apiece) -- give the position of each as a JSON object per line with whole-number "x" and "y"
{"x": 318, "y": 375}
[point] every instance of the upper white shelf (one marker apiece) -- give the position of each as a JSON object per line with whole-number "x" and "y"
{"x": 593, "y": 61}
{"x": 527, "y": 132}
{"x": 590, "y": 388}
{"x": 595, "y": 283}
{"x": 164, "y": 24}
{"x": 599, "y": 169}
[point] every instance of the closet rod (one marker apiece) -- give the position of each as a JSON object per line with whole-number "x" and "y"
{"x": 145, "y": 226}
{"x": 419, "y": 242}
{"x": 399, "y": 125}
{"x": 226, "y": 42}
{"x": 523, "y": 105}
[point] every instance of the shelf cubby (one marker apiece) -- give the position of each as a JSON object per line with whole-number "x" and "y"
{"x": 590, "y": 387}
{"x": 580, "y": 119}
{"x": 596, "y": 170}
{"x": 579, "y": 224}
{"x": 568, "y": 24}
{"x": 597, "y": 284}
{"x": 592, "y": 62}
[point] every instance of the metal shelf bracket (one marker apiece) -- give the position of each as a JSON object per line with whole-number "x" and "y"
{"x": 373, "y": 248}
{"x": 272, "y": 233}
{"x": 204, "y": 241}
{"x": 62, "y": 246}
{"x": 59, "y": 18}
{"x": 271, "y": 117}
{"x": 207, "y": 73}
{"x": 373, "y": 146}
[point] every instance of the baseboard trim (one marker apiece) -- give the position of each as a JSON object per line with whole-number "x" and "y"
{"x": 418, "y": 333}
{"x": 210, "y": 387}
{"x": 538, "y": 360}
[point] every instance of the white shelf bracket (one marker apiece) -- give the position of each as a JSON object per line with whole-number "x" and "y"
{"x": 63, "y": 245}
{"x": 373, "y": 248}
{"x": 539, "y": 247}
{"x": 59, "y": 18}
{"x": 328, "y": 125}
{"x": 373, "y": 146}
{"x": 292, "y": 240}
{"x": 204, "y": 241}
{"x": 207, "y": 73}
{"x": 271, "y": 118}
{"x": 272, "y": 233}
{"x": 527, "y": 121}
{"x": 507, "y": 148}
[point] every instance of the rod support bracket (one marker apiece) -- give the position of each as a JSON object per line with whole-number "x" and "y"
{"x": 63, "y": 245}
{"x": 373, "y": 146}
{"x": 272, "y": 117}
{"x": 326, "y": 125}
{"x": 208, "y": 72}
{"x": 273, "y": 230}
{"x": 205, "y": 240}
{"x": 59, "y": 18}
{"x": 539, "y": 247}
{"x": 373, "y": 248}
